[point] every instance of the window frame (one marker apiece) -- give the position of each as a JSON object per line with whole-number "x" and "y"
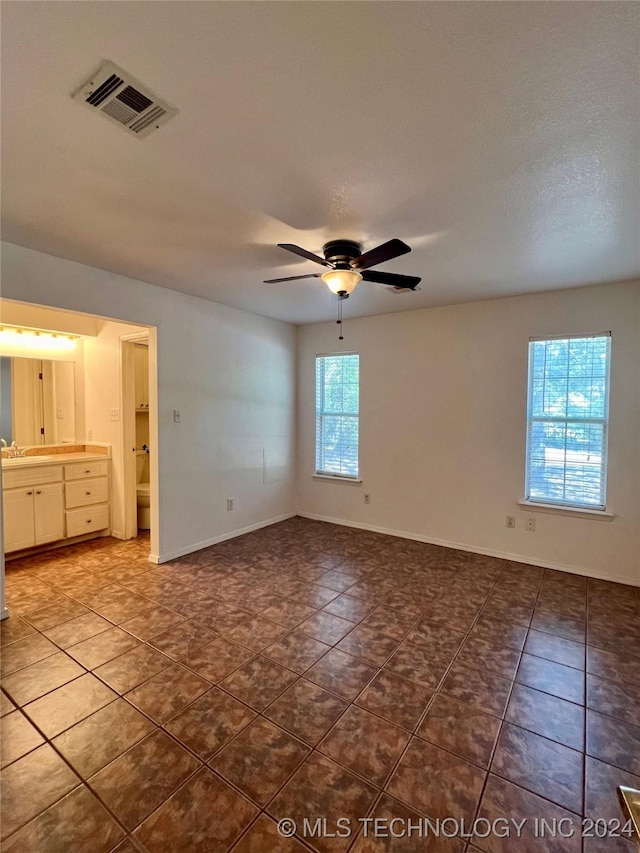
{"x": 599, "y": 508}
{"x": 319, "y": 415}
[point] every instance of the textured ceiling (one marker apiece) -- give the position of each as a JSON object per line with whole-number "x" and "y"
{"x": 500, "y": 140}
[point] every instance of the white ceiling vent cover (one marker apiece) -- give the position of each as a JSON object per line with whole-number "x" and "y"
{"x": 396, "y": 291}
{"x": 119, "y": 97}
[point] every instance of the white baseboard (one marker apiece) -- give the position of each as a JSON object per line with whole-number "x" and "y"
{"x": 460, "y": 546}
{"x": 198, "y": 546}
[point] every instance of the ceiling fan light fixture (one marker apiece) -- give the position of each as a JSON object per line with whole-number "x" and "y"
{"x": 341, "y": 281}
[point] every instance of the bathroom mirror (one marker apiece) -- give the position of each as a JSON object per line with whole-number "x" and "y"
{"x": 37, "y": 401}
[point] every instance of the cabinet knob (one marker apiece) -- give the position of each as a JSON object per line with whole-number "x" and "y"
{"x": 88, "y": 471}
{"x": 89, "y": 521}
{"x": 29, "y": 493}
{"x": 38, "y": 493}
{"x": 87, "y": 493}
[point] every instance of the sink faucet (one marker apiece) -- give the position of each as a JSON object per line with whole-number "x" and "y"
{"x": 15, "y": 452}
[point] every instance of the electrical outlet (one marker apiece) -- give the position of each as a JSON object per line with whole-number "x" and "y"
{"x": 510, "y": 521}
{"x": 115, "y": 414}
{"x": 89, "y": 435}
{"x": 367, "y": 498}
{"x": 60, "y": 414}
{"x": 230, "y": 503}
{"x": 531, "y": 523}
{"x": 177, "y": 416}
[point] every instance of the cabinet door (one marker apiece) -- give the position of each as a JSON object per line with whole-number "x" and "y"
{"x": 141, "y": 372}
{"x": 145, "y": 379}
{"x": 19, "y": 528}
{"x": 49, "y": 513}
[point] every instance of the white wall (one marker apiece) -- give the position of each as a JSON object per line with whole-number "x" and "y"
{"x": 443, "y": 415}
{"x": 232, "y": 375}
{"x": 443, "y": 406}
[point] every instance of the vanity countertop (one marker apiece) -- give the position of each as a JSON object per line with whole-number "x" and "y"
{"x": 52, "y": 459}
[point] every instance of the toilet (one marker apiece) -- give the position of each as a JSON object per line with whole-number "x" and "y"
{"x": 143, "y": 495}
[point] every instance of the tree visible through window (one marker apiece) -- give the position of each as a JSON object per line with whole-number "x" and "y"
{"x": 337, "y": 414}
{"x": 567, "y": 418}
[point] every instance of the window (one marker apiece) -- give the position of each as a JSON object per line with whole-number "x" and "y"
{"x": 337, "y": 404}
{"x": 567, "y": 415}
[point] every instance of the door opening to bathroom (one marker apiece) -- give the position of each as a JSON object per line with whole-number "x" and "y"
{"x": 138, "y": 438}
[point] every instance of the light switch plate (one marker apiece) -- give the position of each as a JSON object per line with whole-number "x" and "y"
{"x": 115, "y": 414}
{"x": 177, "y": 416}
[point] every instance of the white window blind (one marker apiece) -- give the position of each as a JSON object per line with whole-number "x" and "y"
{"x": 567, "y": 419}
{"x": 337, "y": 407}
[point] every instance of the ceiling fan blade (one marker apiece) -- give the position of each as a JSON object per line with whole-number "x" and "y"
{"x": 297, "y": 250}
{"x": 410, "y": 282}
{"x": 292, "y": 278}
{"x": 385, "y": 252}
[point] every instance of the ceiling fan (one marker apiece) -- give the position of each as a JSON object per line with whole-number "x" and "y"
{"x": 348, "y": 266}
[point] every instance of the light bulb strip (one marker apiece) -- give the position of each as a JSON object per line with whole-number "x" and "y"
{"x": 36, "y": 339}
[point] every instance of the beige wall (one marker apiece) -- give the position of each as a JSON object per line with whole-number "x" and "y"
{"x": 37, "y": 317}
{"x": 442, "y": 435}
{"x": 231, "y": 374}
{"x": 66, "y": 427}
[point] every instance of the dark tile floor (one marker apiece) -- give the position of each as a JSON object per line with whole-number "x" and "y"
{"x": 305, "y": 671}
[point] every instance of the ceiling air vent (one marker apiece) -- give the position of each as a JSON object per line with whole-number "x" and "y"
{"x": 120, "y": 97}
{"x": 397, "y": 290}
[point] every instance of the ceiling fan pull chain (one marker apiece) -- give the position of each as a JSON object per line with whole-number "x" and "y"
{"x": 339, "y": 320}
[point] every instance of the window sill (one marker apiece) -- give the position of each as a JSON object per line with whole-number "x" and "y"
{"x": 336, "y": 478}
{"x": 600, "y": 514}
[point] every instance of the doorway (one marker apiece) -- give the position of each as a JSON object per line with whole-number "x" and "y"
{"x": 97, "y": 408}
{"x": 140, "y": 438}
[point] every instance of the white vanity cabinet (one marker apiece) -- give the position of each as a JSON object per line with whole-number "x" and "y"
{"x": 33, "y": 507}
{"x": 47, "y": 503}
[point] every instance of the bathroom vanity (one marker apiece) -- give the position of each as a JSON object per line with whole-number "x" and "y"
{"x": 56, "y": 495}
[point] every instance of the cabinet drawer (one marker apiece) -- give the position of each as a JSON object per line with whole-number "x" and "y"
{"x": 85, "y": 492}
{"x": 85, "y": 469}
{"x": 31, "y": 476}
{"x": 87, "y": 519}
